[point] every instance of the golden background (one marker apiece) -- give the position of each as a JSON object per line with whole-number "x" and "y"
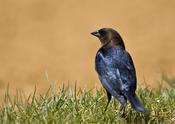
{"x": 53, "y": 36}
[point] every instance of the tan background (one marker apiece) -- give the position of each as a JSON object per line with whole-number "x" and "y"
{"x": 38, "y": 36}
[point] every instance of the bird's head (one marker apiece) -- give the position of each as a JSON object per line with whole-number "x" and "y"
{"x": 109, "y": 38}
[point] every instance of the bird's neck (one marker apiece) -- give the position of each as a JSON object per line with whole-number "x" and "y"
{"x": 113, "y": 44}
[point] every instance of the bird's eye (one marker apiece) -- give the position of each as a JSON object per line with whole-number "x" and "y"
{"x": 102, "y": 33}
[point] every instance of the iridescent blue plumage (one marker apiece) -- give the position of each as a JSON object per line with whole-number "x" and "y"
{"x": 116, "y": 70}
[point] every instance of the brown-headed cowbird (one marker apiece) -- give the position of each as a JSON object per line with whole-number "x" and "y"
{"x": 116, "y": 70}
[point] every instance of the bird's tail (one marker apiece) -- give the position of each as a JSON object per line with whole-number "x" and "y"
{"x": 136, "y": 103}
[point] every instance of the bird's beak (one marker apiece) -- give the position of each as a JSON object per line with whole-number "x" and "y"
{"x": 96, "y": 33}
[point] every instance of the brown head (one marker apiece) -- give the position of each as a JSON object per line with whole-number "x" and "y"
{"x": 109, "y": 38}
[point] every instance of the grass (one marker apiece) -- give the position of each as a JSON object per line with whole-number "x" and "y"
{"x": 75, "y": 105}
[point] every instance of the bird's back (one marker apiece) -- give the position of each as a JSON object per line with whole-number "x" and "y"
{"x": 109, "y": 62}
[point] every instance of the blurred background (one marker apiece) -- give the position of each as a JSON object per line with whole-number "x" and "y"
{"x": 53, "y": 36}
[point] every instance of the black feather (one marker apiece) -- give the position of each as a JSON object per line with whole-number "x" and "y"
{"x": 116, "y": 71}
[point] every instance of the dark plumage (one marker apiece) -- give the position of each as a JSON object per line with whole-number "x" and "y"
{"x": 116, "y": 70}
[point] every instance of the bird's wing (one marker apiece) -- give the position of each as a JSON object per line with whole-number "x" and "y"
{"x": 126, "y": 71}
{"x": 116, "y": 72}
{"x": 117, "y": 75}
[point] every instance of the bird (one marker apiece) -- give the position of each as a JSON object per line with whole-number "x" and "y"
{"x": 116, "y": 70}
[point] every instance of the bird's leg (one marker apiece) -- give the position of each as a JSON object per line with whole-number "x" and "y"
{"x": 123, "y": 115}
{"x": 109, "y": 99}
{"x": 124, "y": 109}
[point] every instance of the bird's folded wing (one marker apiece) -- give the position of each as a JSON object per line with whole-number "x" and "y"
{"x": 118, "y": 74}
